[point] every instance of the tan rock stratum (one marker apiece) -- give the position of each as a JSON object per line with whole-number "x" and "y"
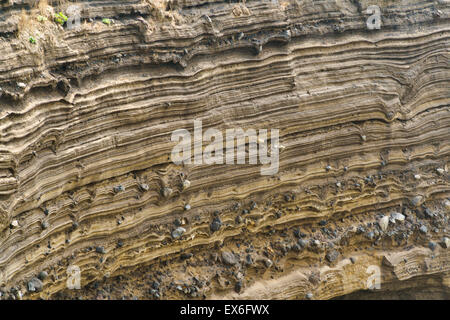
{"x": 88, "y": 191}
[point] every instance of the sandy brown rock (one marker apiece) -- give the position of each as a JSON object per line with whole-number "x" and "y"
{"x": 86, "y": 118}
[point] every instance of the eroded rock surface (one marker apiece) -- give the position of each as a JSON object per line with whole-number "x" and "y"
{"x": 87, "y": 185}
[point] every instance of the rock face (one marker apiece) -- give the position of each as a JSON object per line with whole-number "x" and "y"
{"x": 87, "y": 115}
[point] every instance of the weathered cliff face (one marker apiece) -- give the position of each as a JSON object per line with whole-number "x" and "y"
{"x": 361, "y": 195}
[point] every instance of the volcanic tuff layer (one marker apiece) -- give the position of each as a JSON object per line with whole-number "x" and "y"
{"x": 86, "y": 117}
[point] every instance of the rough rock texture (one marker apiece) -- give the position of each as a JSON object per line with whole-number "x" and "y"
{"x": 86, "y": 179}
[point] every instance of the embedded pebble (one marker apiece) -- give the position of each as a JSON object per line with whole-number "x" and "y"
{"x": 332, "y": 255}
{"x": 423, "y": 229}
{"x": 383, "y": 223}
{"x": 446, "y": 242}
{"x": 100, "y": 250}
{"x": 248, "y": 260}
{"x": 416, "y": 200}
{"x": 43, "y": 275}
{"x": 370, "y": 235}
{"x": 118, "y": 189}
{"x": 186, "y": 256}
{"x": 216, "y": 224}
{"x": 238, "y": 286}
{"x": 447, "y": 204}
{"x": 315, "y": 243}
{"x": 302, "y": 243}
{"x": 229, "y": 258}
{"x": 268, "y": 263}
{"x": 178, "y": 232}
{"x": 44, "y": 225}
{"x": 186, "y": 184}
{"x": 35, "y": 285}
{"x": 397, "y": 216}
{"x": 166, "y": 192}
{"x": 432, "y": 245}
{"x": 14, "y": 224}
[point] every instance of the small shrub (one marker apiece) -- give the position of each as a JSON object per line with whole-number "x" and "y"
{"x": 60, "y": 18}
{"x": 106, "y": 21}
{"x": 32, "y": 39}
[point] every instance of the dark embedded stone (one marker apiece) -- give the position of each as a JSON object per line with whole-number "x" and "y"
{"x": 35, "y": 285}
{"x": 432, "y": 245}
{"x": 118, "y": 189}
{"x": 155, "y": 285}
{"x": 45, "y": 225}
{"x": 370, "y": 235}
{"x": 332, "y": 255}
{"x": 238, "y": 286}
{"x": 322, "y": 222}
{"x": 100, "y": 250}
{"x": 216, "y": 224}
{"x": 42, "y": 275}
{"x": 360, "y": 230}
{"x": 186, "y": 256}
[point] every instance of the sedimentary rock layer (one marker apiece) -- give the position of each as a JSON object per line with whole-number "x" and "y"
{"x": 87, "y": 180}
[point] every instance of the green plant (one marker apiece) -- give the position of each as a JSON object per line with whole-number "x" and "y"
{"x": 60, "y": 18}
{"x": 32, "y": 39}
{"x": 106, "y": 21}
{"x": 41, "y": 18}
